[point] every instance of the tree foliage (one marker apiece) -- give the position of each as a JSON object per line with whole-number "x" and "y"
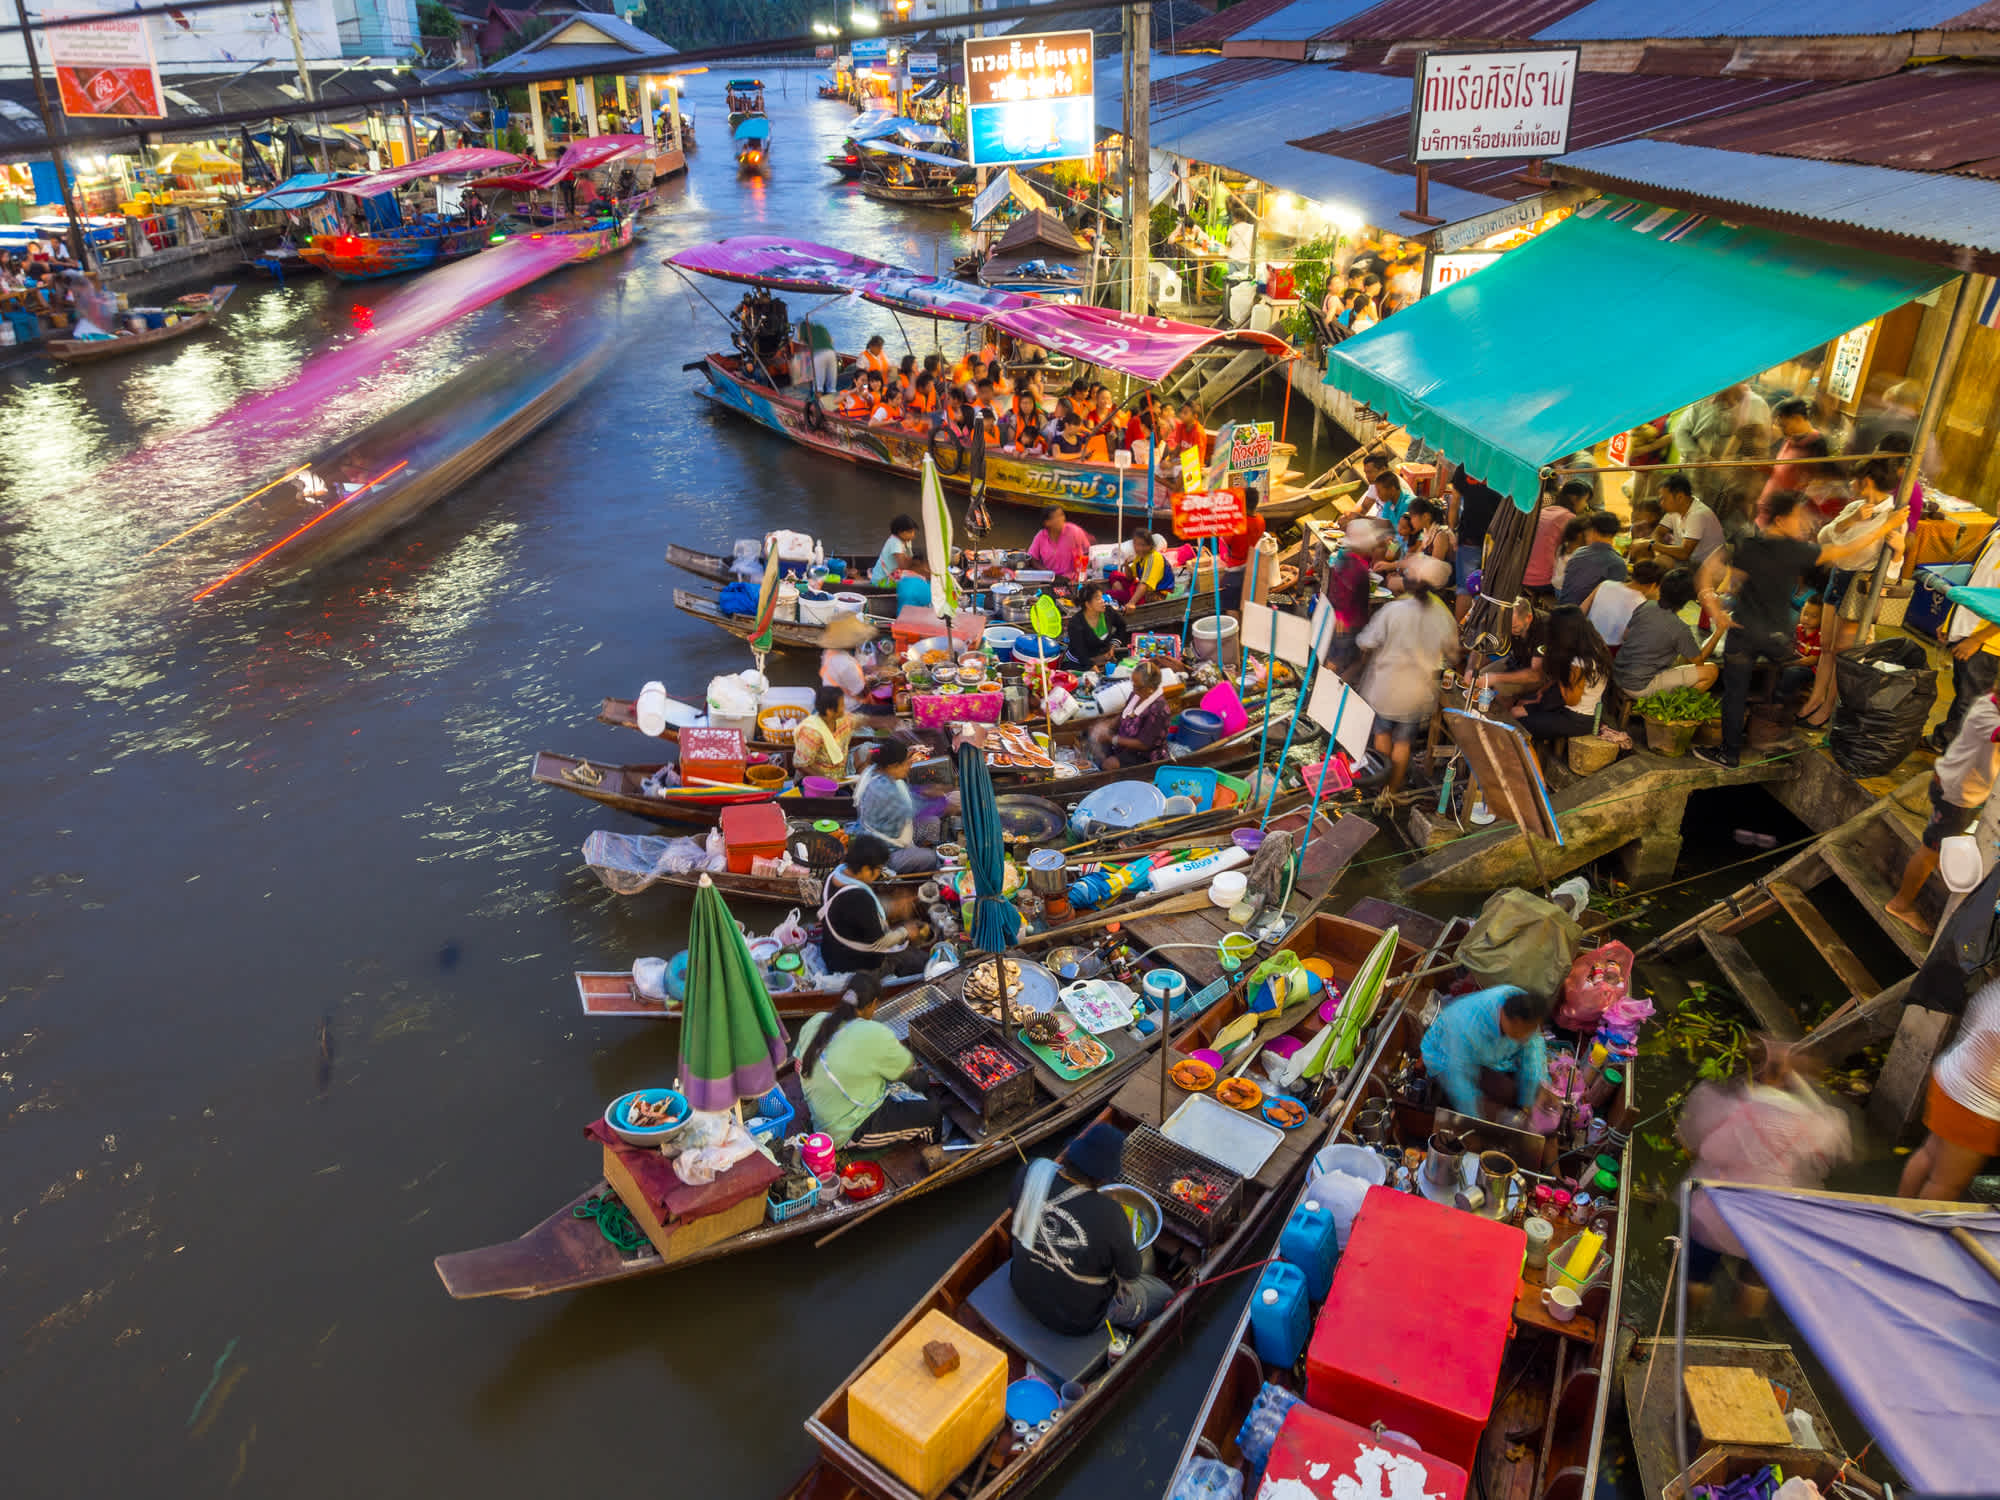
{"x": 711, "y": 23}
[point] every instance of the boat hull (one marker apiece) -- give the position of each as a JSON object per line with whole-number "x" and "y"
{"x": 1092, "y": 489}
{"x": 369, "y": 257}
{"x": 86, "y": 351}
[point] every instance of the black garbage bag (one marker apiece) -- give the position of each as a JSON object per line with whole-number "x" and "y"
{"x": 1882, "y": 712}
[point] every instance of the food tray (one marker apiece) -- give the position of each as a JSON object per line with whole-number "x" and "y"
{"x": 1040, "y": 991}
{"x": 1099, "y": 1005}
{"x": 1056, "y": 1065}
{"x": 1154, "y": 1163}
{"x": 1241, "y": 1142}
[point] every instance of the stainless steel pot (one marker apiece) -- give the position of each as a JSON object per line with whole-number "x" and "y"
{"x": 1444, "y": 1165}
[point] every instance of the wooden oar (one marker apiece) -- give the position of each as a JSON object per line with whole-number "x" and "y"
{"x": 1166, "y": 906}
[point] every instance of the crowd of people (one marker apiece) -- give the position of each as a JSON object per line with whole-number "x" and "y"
{"x": 42, "y": 280}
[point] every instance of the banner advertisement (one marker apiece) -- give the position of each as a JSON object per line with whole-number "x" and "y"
{"x": 1446, "y": 269}
{"x": 921, "y": 64}
{"x": 1219, "y": 514}
{"x": 1250, "y": 447}
{"x": 105, "y": 69}
{"x": 870, "y": 52}
{"x": 1492, "y": 105}
{"x": 1029, "y": 98}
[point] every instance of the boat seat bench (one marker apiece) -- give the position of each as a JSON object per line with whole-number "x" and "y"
{"x": 1062, "y": 1355}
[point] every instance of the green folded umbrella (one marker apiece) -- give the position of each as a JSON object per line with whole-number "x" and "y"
{"x": 731, "y": 1043}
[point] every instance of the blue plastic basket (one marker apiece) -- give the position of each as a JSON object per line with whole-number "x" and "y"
{"x": 777, "y": 1113}
{"x": 779, "y": 1212}
{"x": 1198, "y": 782}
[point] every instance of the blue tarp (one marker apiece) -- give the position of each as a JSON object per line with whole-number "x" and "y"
{"x": 299, "y": 191}
{"x": 1984, "y": 602}
{"x": 1533, "y": 358}
{"x": 1903, "y": 1317}
{"x": 754, "y": 128}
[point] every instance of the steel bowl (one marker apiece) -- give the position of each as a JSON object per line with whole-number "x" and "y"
{"x": 1144, "y": 1207}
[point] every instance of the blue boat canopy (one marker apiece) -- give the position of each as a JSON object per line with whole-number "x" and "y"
{"x": 1619, "y": 314}
{"x": 1900, "y": 1311}
{"x": 753, "y": 128}
{"x": 303, "y": 190}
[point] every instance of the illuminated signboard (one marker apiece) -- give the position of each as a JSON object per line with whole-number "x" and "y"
{"x": 1029, "y": 98}
{"x": 105, "y": 68}
{"x": 1490, "y": 105}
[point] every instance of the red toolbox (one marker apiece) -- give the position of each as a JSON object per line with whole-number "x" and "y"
{"x": 752, "y": 830}
{"x": 711, "y": 754}
{"x": 1322, "y": 1457}
{"x": 1412, "y": 1332}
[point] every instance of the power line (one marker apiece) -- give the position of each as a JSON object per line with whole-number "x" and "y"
{"x": 491, "y": 82}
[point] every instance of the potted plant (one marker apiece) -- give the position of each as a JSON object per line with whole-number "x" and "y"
{"x": 1672, "y": 718}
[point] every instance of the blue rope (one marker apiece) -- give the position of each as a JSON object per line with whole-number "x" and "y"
{"x": 1270, "y": 677}
{"x": 1326, "y": 766}
{"x": 1215, "y": 564}
{"x": 1243, "y": 655}
{"x": 1278, "y": 772}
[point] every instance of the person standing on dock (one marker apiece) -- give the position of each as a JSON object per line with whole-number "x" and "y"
{"x": 1764, "y": 571}
{"x": 1961, "y": 781}
{"x": 1975, "y": 647}
{"x": 1558, "y": 510}
{"x": 1962, "y": 1108}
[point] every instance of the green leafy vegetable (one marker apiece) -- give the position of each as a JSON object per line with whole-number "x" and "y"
{"x": 1680, "y": 705}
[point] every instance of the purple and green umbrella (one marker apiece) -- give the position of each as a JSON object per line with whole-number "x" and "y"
{"x": 731, "y": 1043}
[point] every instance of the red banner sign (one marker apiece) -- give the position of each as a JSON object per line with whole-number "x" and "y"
{"x": 105, "y": 68}
{"x": 1199, "y": 515}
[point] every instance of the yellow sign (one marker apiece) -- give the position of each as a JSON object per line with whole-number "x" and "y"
{"x": 1191, "y": 475}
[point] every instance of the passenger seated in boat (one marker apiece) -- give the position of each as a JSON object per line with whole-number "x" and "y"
{"x": 1061, "y": 546}
{"x": 888, "y": 410}
{"x": 896, "y": 552}
{"x": 821, "y": 741}
{"x": 874, "y": 360}
{"x": 1484, "y": 1053}
{"x": 852, "y": 1071}
{"x": 920, "y": 411}
{"x": 906, "y": 377}
{"x": 1097, "y": 633}
{"x": 840, "y": 667}
{"x": 859, "y": 937}
{"x": 1140, "y": 735}
{"x": 1071, "y": 442}
{"x": 859, "y": 400}
{"x": 1149, "y": 578}
{"x": 1075, "y": 1264}
{"x": 885, "y": 807}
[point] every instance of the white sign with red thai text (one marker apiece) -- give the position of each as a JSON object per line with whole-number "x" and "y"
{"x": 1486, "y": 105}
{"x": 105, "y": 69}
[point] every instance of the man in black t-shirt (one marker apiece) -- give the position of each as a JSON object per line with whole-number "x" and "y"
{"x": 1082, "y": 1267}
{"x": 1473, "y": 503}
{"x": 1763, "y": 572}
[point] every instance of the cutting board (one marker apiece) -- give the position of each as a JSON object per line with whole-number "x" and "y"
{"x": 1735, "y": 1405}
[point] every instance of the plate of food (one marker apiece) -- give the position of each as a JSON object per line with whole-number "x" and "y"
{"x": 1284, "y": 1111}
{"x": 1239, "y": 1093}
{"x": 1031, "y": 989}
{"x": 1192, "y": 1074}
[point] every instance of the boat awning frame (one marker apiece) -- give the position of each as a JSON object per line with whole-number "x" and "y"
{"x": 1614, "y": 317}
{"x": 931, "y": 158}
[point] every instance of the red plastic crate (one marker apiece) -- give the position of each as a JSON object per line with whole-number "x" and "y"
{"x": 750, "y": 831}
{"x": 1314, "y": 1453}
{"x": 711, "y": 754}
{"x": 1412, "y": 1332}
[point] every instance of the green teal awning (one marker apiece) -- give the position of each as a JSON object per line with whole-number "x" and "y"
{"x": 1619, "y": 314}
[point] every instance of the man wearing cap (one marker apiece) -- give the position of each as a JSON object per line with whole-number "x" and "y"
{"x": 1960, "y": 784}
{"x": 1076, "y": 1264}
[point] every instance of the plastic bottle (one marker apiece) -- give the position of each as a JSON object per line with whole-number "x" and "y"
{"x": 1260, "y": 1427}
{"x": 1281, "y": 1315}
{"x": 1206, "y": 1479}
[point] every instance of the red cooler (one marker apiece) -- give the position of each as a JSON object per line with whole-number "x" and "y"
{"x": 1318, "y": 1456}
{"x": 1412, "y": 1333}
{"x": 751, "y": 831}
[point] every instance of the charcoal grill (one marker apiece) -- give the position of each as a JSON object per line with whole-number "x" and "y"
{"x": 939, "y": 1034}
{"x": 1153, "y": 1162}
{"x": 897, "y": 1013}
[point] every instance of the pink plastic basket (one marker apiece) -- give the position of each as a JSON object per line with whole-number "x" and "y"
{"x": 1339, "y": 775}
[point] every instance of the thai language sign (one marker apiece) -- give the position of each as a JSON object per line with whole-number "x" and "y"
{"x": 105, "y": 68}
{"x": 1030, "y": 98}
{"x": 921, "y": 64}
{"x": 1492, "y": 104}
{"x": 1250, "y": 447}
{"x": 870, "y": 52}
{"x": 1217, "y": 514}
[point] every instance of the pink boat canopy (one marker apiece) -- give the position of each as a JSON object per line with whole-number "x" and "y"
{"x": 1144, "y": 347}
{"x": 578, "y": 156}
{"x": 438, "y": 164}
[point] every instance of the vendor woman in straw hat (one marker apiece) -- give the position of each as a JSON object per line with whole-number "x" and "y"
{"x": 840, "y": 667}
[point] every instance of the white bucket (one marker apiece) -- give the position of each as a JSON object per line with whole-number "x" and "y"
{"x": 850, "y": 604}
{"x": 786, "y": 606}
{"x": 1205, "y": 636}
{"x": 651, "y": 709}
{"x": 1355, "y": 1161}
{"x": 817, "y": 611}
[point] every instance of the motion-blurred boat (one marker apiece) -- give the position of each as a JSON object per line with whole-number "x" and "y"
{"x": 390, "y": 245}
{"x": 190, "y": 315}
{"x": 752, "y": 135}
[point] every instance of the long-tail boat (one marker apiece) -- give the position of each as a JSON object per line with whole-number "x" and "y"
{"x": 395, "y": 248}
{"x": 193, "y": 314}
{"x": 546, "y": 205}
{"x": 1202, "y": 1237}
{"x": 1146, "y": 348}
{"x": 567, "y": 1251}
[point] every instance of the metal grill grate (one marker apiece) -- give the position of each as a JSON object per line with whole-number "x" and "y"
{"x": 944, "y": 1032}
{"x": 1153, "y": 1162}
{"x": 897, "y": 1014}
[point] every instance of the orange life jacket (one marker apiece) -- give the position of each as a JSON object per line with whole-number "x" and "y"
{"x": 879, "y": 363}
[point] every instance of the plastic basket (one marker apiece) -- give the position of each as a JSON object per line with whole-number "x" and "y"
{"x": 1198, "y": 782}
{"x": 1230, "y": 791}
{"x": 1334, "y": 768}
{"x": 778, "y": 723}
{"x": 816, "y": 850}
{"x": 779, "y": 1212}
{"x": 777, "y": 1114}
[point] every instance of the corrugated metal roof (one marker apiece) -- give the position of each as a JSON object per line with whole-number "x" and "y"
{"x": 1632, "y": 20}
{"x": 1928, "y": 120}
{"x": 1375, "y": 197}
{"x": 1609, "y": 107}
{"x": 1301, "y": 21}
{"x": 1414, "y": 20}
{"x": 1948, "y": 210}
{"x": 1224, "y": 24}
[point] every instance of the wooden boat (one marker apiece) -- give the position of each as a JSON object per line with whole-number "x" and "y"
{"x": 1183, "y": 1254}
{"x": 752, "y": 138}
{"x": 194, "y": 318}
{"x": 566, "y": 1252}
{"x": 915, "y": 194}
{"x": 593, "y": 234}
{"x": 607, "y": 994}
{"x": 1543, "y": 1439}
{"x": 744, "y": 98}
{"x": 280, "y": 261}
{"x": 618, "y": 786}
{"x": 396, "y": 252}
{"x": 1022, "y": 479}
{"x": 717, "y": 569}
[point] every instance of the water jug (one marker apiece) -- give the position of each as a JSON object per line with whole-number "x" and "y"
{"x": 1281, "y": 1315}
{"x": 1310, "y": 1240}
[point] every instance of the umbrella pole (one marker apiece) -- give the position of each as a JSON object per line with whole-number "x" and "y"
{"x": 1312, "y": 661}
{"x": 1000, "y": 983}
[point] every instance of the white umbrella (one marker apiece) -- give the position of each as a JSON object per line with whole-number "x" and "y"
{"x": 945, "y": 597}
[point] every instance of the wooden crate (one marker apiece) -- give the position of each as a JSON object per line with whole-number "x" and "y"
{"x": 678, "y": 1241}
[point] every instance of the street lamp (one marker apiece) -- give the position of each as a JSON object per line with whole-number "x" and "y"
{"x": 862, "y": 20}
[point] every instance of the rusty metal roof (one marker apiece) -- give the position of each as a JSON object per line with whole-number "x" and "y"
{"x": 1468, "y": 20}
{"x": 1609, "y": 107}
{"x": 1633, "y": 20}
{"x": 1221, "y": 26}
{"x": 1944, "y": 119}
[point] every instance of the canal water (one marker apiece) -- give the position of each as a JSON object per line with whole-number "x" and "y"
{"x": 286, "y": 1005}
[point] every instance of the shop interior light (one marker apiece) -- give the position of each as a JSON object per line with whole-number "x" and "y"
{"x": 863, "y": 20}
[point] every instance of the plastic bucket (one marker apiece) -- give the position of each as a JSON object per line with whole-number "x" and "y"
{"x": 1222, "y": 700}
{"x": 770, "y": 778}
{"x": 1198, "y": 727}
{"x": 1355, "y": 1161}
{"x": 999, "y": 639}
{"x": 1037, "y": 648}
{"x": 1205, "y": 636}
{"x": 819, "y": 786}
{"x": 1249, "y": 840}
